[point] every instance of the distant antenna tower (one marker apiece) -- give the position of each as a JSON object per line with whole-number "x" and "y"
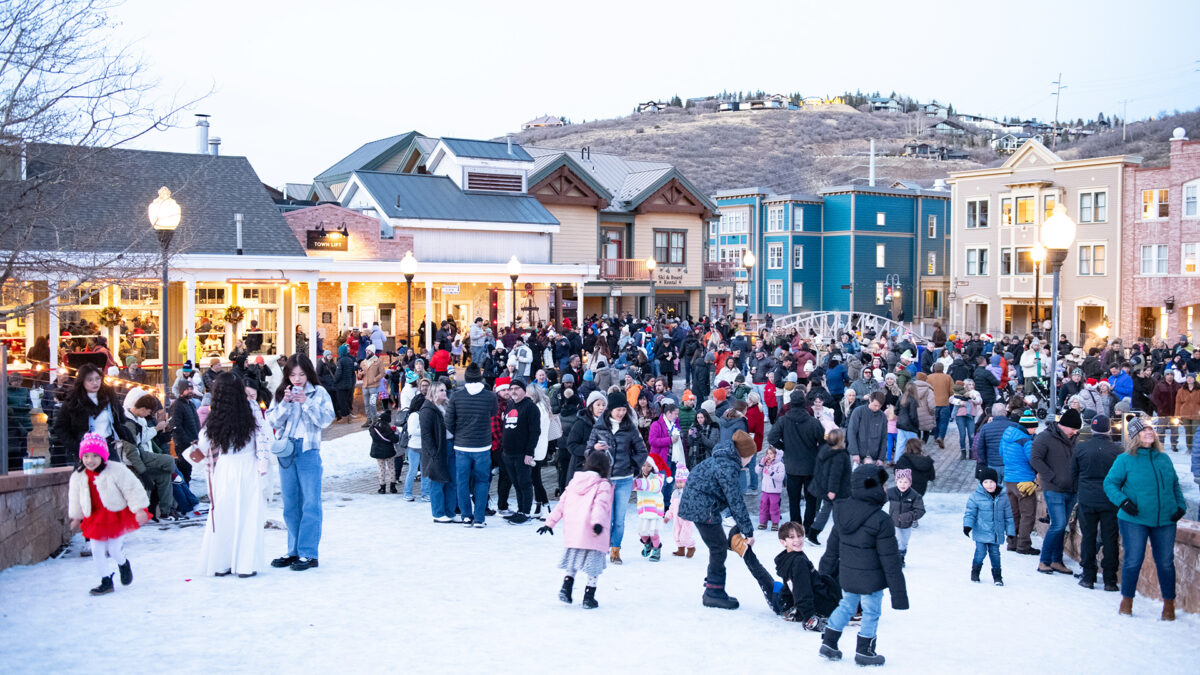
{"x": 1059, "y": 86}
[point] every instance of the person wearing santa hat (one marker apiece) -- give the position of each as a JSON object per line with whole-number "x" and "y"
{"x": 649, "y": 487}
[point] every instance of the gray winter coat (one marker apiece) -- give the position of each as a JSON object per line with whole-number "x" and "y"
{"x": 866, "y": 433}
{"x": 712, "y": 487}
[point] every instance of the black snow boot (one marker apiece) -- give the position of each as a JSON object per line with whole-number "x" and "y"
{"x": 126, "y": 572}
{"x": 106, "y": 586}
{"x": 565, "y": 593}
{"x": 589, "y": 598}
{"x": 829, "y": 640}
{"x": 715, "y": 596}
{"x": 865, "y": 654}
{"x": 996, "y": 577}
{"x": 392, "y": 488}
{"x": 382, "y": 489}
{"x": 812, "y": 536}
{"x": 902, "y": 559}
{"x": 975, "y": 569}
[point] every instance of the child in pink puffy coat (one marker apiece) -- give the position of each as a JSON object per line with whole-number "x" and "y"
{"x": 771, "y": 469}
{"x": 683, "y": 529}
{"x": 585, "y": 510}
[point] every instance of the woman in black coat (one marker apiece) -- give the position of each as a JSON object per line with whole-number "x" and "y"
{"x": 435, "y": 455}
{"x": 91, "y": 405}
{"x": 577, "y": 438}
{"x": 666, "y": 354}
{"x": 702, "y": 438}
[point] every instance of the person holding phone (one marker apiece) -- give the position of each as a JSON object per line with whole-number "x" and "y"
{"x": 616, "y": 434}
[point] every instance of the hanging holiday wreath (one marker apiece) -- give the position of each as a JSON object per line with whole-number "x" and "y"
{"x": 110, "y": 316}
{"x": 234, "y": 314}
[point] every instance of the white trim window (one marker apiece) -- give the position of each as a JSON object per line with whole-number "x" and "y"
{"x": 775, "y": 293}
{"x": 775, "y": 255}
{"x": 1191, "y": 258}
{"x": 1156, "y": 204}
{"x": 977, "y": 261}
{"x": 880, "y": 218}
{"x": 880, "y": 255}
{"x": 713, "y": 251}
{"x": 797, "y": 218}
{"x": 1006, "y": 211}
{"x": 1093, "y": 206}
{"x": 1191, "y": 199}
{"x": 1154, "y": 259}
{"x": 880, "y": 291}
{"x": 1093, "y": 260}
{"x": 932, "y": 227}
{"x": 775, "y": 219}
{"x": 798, "y": 257}
{"x": 797, "y": 294}
{"x": 735, "y": 222}
{"x": 931, "y": 265}
{"x": 977, "y": 213}
{"x": 712, "y": 228}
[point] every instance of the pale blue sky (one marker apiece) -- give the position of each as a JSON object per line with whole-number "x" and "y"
{"x": 300, "y": 84}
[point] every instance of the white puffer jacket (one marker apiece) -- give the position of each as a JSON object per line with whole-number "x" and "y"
{"x": 119, "y": 490}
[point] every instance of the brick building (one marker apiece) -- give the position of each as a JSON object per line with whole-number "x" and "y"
{"x": 1161, "y": 245}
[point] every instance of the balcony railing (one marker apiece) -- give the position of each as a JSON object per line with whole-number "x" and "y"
{"x": 624, "y": 269}
{"x": 720, "y": 271}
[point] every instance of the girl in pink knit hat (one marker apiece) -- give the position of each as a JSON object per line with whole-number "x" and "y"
{"x": 106, "y": 501}
{"x": 682, "y": 529}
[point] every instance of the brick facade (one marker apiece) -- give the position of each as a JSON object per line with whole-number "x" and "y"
{"x": 1146, "y": 291}
{"x": 33, "y": 516}
{"x": 365, "y": 242}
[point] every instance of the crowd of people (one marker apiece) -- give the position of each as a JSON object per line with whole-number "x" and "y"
{"x": 843, "y": 426}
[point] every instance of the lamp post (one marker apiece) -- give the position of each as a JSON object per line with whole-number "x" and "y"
{"x": 651, "y": 264}
{"x": 514, "y": 271}
{"x": 165, "y": 214}
{"x": 748, "y": 261}
{"x": 408, "y": 267}
{"x": 1039, "y": 256}
{"x": 1057, "y": 234}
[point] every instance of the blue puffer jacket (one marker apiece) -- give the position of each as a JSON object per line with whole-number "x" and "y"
{"x": 713, "y": 487}
{"x": 1122, "y": 384}
{"x": 1015, "y": 447}
{"x": 989, "y": 517}
{"x": 988, "y": 438}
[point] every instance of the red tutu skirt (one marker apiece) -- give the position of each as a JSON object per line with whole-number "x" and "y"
{"x": 103, "y": 524}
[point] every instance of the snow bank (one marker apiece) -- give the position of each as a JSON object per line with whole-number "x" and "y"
{"x": 396, "y": 590}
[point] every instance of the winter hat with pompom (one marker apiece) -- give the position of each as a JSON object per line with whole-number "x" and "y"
{"x": 94, "y": 443}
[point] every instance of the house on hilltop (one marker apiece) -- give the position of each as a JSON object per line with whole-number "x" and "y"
{"x": 651, "y": 107}
{"x": 543, "y": 122}
{"x": 935, "y": 109}
{"x": 884, "y": 104}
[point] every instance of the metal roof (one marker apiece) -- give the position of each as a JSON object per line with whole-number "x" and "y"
{"x": 741, "y": 192}
{"x": 365, "y": 155}
{"x": 90, "y": 192}
{"x": 465, "y": 147}
{"x": 426, "y": 197}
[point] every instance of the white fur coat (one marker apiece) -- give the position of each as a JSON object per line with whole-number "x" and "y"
{"x": 119, "y": 490}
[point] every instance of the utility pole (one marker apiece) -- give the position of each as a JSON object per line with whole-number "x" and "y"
{"x": 1057, "y": 98}
{"x": 1124, "y": 114}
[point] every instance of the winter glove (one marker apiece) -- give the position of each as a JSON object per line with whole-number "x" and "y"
{"x": 1027, "y": 488}
{"x": 545, "y": 529}
{"x": 597, "y": 528}
{"x": 966, "y": 531}
{"x": 1177, "y": 515}
{"x": 1129, "y": 507}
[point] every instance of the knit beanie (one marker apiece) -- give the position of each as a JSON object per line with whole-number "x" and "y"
{"x": 681, "y": 475}
{"x": 719, "y": 395}
{"x": 1028, "y": 420}
{"x": 473, "y": 373}
{"x": 1071, "y": 419}
{"x": 595, "y": 396}
{"x": 905, "y": 474}
{"x": 988, "y": 473}
{"x": 709, "y": 406}
{"x": 744, "y": 444}
{"x": 1135, "y": 426}
{"x": 617, "y": 400}
{"x": 94, "y": 443}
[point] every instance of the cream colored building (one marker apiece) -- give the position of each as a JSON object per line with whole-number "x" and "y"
{"x": 996, "y": 216}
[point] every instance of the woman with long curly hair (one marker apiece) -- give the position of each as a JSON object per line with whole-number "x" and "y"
{"x": 234, "y": 445}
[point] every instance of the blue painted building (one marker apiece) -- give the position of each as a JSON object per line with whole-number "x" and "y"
{"x": 846, "y": 248}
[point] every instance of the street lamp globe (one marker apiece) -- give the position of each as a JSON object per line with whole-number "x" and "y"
{"x": 1059, "y": 230}
{"x": 514, "y": 267}
{"x": 748, "y": 259}
{"x": 408, "y": 265}
{"x": 651, "y": 263}
{"x": 164, "y": 211}
{"x": 1038, "y": 254}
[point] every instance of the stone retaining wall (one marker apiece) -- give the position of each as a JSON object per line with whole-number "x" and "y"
{"x": 33, "y": 516}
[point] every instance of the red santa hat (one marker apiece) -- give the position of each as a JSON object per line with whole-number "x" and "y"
{"x": 659, "y": 465}
{"x": 501, "y": 383}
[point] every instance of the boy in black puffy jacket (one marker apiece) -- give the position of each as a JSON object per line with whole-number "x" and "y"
{"x": 383, "y": 449}
{"x": 807, "y": 597}
{"x": 863, "y": 554}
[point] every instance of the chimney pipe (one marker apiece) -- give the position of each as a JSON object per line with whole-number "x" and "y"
{"x": 201, "y": 134}
{"x": 509, "y": 138}
{"x": 214, "y": 146}
{"x": 237, "y": 221}
{"x": 871, "y": 176}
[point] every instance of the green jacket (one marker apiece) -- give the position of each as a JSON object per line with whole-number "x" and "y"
{"x": 1147, "y": 479}
{"x": 687, "y": 417}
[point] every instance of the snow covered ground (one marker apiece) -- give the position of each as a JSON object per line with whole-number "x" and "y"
{"x": 395, "y": 590}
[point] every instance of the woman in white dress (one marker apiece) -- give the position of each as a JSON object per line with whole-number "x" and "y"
{"x": 236, "y": 444}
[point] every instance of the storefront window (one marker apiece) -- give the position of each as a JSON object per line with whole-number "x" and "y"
{"x": 209, "y": 327}
{"x": 79, "y": 318}
{"x": 262, "y": 306}
{"x": 138, "y": 333}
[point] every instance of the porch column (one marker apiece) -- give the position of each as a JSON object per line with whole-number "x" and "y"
{"x": 52, "y": 312}
{"x": 344, "y": 314}
{"x": 429, "y": 330}
{"x": 579, "y": 307}
{"x": 312, "y": 321}
{"x": 189, "y": 318}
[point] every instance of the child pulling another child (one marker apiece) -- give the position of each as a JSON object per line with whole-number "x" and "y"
{"x": 988, "y": 519}
{"x": 383, "y": 449}
{"x": 585, "y": 508}
{"x": 807, "y": 597}
{"x": 649, "y": 487}
{"x": 906, "y": 507}
{"x": 772, "y": 472}
{"x": 685, "y": 540}
{"x": 106, "y": 502}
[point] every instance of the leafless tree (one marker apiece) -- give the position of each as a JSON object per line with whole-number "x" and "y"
{"x": 69, "y": 92}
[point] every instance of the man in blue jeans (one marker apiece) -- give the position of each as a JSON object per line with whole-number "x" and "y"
{"x": 1053, "y": 450}
{"x": 469, "y": 417}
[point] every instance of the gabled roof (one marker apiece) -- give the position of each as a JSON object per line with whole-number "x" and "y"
{"x": 1031, "y": 146}
{"x": 426, "y": 197}
{"x": 91, "y": 192}
{"x": 544, "y": 165}
{"x": 367, "y": 156}
{"x": 544, "y": 120}
{"x": 465, "y": 147}
{"x": 629, "y": 181}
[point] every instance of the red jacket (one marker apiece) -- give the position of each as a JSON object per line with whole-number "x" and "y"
{"x": 440, "y": 361}
{"x": 754, "y": 422}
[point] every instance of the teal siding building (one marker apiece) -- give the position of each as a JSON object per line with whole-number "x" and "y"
{"x": 870, "y": 249}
